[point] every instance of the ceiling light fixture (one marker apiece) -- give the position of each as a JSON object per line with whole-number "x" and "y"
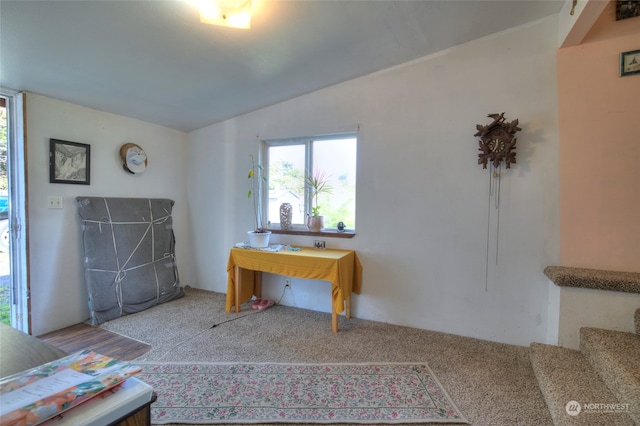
{"x": 227, "y": 13}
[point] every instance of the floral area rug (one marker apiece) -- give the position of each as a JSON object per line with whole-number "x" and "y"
{"x": 210, "y": 393}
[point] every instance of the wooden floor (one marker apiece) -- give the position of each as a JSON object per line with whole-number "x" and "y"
{"x": 84, "y": 336}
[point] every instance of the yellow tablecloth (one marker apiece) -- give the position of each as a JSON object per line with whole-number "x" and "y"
{"x": 340, "y": 267}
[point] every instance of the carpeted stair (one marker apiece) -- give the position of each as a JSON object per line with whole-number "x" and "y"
{"x": 616, "y": 357}
{"x": 606, "y": 370}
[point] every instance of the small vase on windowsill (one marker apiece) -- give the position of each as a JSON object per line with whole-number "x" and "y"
{"x": 286, "y": 213}
{"x": 315, "y": 223}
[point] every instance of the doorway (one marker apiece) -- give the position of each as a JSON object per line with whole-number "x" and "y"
{"x": 14, "y": 290}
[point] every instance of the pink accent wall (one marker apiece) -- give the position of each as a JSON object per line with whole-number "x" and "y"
{"x": 599, "y": 158}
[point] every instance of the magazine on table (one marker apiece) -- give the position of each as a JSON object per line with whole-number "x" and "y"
{"x": 33, "y": 396}
{"x": 108, "y": 407}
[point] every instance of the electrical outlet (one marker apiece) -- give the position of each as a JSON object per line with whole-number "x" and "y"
{"x": 319, "y": 244}
{"x": 54, "y": 202}
{"x": 287, "y": 282}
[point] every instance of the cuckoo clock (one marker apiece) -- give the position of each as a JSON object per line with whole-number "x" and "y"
{"x": 497, "y": 141}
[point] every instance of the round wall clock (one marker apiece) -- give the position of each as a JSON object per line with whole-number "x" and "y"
{"x": 134, "y": 159}
{"x": 497, "y": 141}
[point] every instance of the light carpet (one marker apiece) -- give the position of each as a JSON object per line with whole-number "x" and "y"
{"x": 491, "y": 383}
{"x": 222, "y": 393}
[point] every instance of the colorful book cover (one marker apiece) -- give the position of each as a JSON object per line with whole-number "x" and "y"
{"x": 110, "y": 406}
{"x": 33, "y": 396}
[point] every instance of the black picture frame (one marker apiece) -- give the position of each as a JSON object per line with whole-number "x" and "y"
{"x": 630, "y": 63}
{"x": 626, "y": 9}
{"x": 69, "y": 162}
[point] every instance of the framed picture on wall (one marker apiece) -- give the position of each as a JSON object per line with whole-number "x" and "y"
{"x": 69, "y": 162}
{"x": 626, "y": 9}
{"x": 630, "y": 62}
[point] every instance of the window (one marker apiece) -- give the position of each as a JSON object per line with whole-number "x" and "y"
{"x": 288, "y": 163}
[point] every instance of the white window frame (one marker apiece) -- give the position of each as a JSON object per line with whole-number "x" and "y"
{"x": 307, "y": 141}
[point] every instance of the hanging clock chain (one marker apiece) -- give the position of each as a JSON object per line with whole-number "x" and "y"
{"x": 495, "y": 185}
{"x": 486, "y": 265}
{"x": 497, "y": 204}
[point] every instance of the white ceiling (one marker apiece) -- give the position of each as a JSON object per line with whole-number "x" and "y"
{"x": 154, "y": 60}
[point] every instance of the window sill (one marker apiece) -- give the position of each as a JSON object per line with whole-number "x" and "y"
{"x": 329, "y": 233}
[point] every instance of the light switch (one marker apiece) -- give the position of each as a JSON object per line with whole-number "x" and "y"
{"x": 55, "y": 202}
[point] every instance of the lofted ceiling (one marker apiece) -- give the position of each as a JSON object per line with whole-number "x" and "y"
{"x": 154, "y": 61}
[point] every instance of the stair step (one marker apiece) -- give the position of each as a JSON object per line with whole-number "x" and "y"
{"x": 637, "y": 320}
{"x": 564, "y": 375}
{"x": 615, "y": 355}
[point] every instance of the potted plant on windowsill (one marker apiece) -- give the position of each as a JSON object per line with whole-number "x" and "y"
{"x": 317, "y": 184}
{"x": 259, "y": 237}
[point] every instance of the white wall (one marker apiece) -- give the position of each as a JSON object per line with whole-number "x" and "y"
{"x": 421, "y": 197}
{"x": 58, "y": 291}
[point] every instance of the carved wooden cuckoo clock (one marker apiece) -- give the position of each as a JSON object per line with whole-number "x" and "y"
{"x": 497, "y": 141}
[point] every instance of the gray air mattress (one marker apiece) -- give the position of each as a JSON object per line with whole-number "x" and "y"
{"x": 129, "y": 255}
